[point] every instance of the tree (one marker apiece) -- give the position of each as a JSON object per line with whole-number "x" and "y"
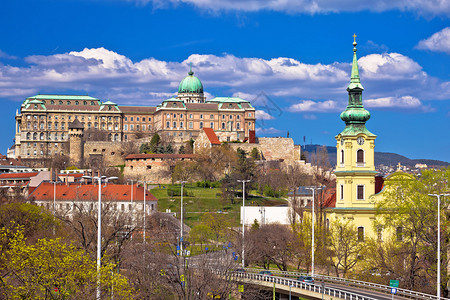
{"x": 154, "y": 143}
{"x": 183, "y": 171}
{"x": 51, "y": 269}
{"x": 255, "y": 154}
{"x": 345, "y": 245}
{"x": 407, "y": 212}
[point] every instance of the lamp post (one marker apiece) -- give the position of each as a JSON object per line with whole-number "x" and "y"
{"x": 145, "y": 206}
{"x": 131, "y": 189}
{"x": 99, "y": 224}
{"x": 313, "y": 188}
{"x": 438, "y": 280}
{"x": 181, "y": 222}
{"x": 243, "y": 218}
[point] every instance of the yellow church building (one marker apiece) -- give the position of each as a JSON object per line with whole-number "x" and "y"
{"x": 356, "y": 189}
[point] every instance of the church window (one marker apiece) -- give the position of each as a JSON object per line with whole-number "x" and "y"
{"x": 360, "y": 157}
{"x": 399, "y": 234}
{"x": 238, "y": 126}
{"x": 191, "y": 125}
{"x": 342, "y": 192}
{"x": 211, "y": 125}
{"x": 201, "y": 125}
{"x": 223, "y": 125}
{"x": 360, "y": 192}
{"x": 360, "y": 234}
{"x": 342, "y": 157}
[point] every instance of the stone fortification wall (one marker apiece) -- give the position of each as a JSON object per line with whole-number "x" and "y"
{"x": 112, "y": 153}
{"x": 276, "y": 148}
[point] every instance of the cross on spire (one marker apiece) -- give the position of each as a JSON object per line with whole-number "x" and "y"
{"x": 354, "y": 37}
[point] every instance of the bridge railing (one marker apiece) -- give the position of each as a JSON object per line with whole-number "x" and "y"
{"x": 334, "y": 292}
{"x": 357, "y": 283}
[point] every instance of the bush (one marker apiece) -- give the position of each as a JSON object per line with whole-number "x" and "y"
{"x": 208, "y": 184}
{"x": 176, "y": 192}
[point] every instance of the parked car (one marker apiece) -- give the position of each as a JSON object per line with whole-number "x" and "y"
{"x": 266, "y": 272}
{"x": 240, "y": 270}
{"x": 306, "y": 279}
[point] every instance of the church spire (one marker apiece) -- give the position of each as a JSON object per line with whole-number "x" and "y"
{"x": 355, "y": 116}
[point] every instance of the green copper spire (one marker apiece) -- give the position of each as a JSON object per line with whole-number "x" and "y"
{"x": 355, "y": 116}
{"x": 355, "y": 81}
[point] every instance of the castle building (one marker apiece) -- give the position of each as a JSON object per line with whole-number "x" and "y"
{"x": 42, "y": 123}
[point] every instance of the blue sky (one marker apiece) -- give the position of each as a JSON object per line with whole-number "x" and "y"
{"x": 291, "y": 58}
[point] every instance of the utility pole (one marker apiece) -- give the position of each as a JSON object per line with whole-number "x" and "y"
{"x": 243, "y": 218}
{"x": 313, "y": 188}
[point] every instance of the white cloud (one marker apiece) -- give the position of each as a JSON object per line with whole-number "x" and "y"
{"x": 269, "y": 130}
{"x": 319, "y": 106}
{"x": 439, "y": 42}
{"x": 268, "y": 83}
{"x": 262, "y": 115}
{"x": 404, "y": 102}
{"x": 422, "y": 7}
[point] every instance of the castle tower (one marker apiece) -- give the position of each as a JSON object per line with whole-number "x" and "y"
{"x": 76, "y": 147}
{"x": 355, "y": 168}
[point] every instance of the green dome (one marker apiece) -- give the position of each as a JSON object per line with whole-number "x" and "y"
{"x": 190, "y": 84}
{"x": 357, "y": 115}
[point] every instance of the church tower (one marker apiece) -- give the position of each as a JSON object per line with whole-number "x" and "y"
{"x": 355, "y": 168}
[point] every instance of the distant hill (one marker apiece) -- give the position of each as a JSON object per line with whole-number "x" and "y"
{"x": 381, "y": 158}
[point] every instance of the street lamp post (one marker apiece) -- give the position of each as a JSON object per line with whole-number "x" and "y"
{"x": 131, "y": 189}
{"x": 145, "y": 206}
{"x": 313, "y": 188}
{"x": 438, "y": 280}
{"x": 181, "y": 222}
{"x": 243, "y": 219}
{"x": 99, "y": 227}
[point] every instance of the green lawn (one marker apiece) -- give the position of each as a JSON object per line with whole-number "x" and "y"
{"x": 201, "y": 200}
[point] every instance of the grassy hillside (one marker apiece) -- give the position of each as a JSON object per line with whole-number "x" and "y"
{"x": 200, "y": 200}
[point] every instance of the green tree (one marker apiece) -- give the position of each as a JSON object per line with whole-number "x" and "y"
{"x": 407, "y": 212}
{"x": 201, "y": 234}
{"x": 51, "y": 269}
{"x": 255, "y": 154}
{"x": 181, "y": 150}
{"x": 154, "y": 143}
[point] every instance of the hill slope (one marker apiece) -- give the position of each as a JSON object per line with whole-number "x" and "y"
{"x": 381, "y": 158}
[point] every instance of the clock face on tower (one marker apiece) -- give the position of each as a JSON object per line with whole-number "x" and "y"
{"x": 360, "y": 140}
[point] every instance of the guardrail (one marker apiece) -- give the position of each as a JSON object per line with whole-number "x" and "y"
{"x": 309, "y": 287}
{"x": 356, "y": 283}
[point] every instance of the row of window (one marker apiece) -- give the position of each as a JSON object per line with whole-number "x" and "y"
{"x": 191, "y": 116}
{"x": 398, "y": 233}
{"x": 69, "y": 117}
{"x": 69, "y": 102}
{"x": 359, "y": 192}
{"x": 359, "y": 158}
{"x": 201, "y": 124}
{"x": 49, "y": 152}
{"x": 137, "y": 127}
{"x": 138, "y": 119}
{"x": 43, "y": 136}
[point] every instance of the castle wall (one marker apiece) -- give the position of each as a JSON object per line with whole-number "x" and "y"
{"x": 272, "y": 148}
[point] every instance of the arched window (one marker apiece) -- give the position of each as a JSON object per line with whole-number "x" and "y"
{"x": 116, "y": 137}
{"x": 360, "y": 156}
{"x": 201, "y": 125}
{"x": 41, "y": 137}
{"x": 28, "y": 136}
{"x": 238, "y": 126}
{"x": 342, "y": 157}
{"x": 223, "y": 125}
{"x": 35, "y": 136}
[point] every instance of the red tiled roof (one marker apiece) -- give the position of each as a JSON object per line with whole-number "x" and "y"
{"x": 89, "y": 192}
{"x": 4, "y": 161}
{"x": 148, "y": 156}
{"x": 211, "y": 136}
{"x": 17, "y": 175}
